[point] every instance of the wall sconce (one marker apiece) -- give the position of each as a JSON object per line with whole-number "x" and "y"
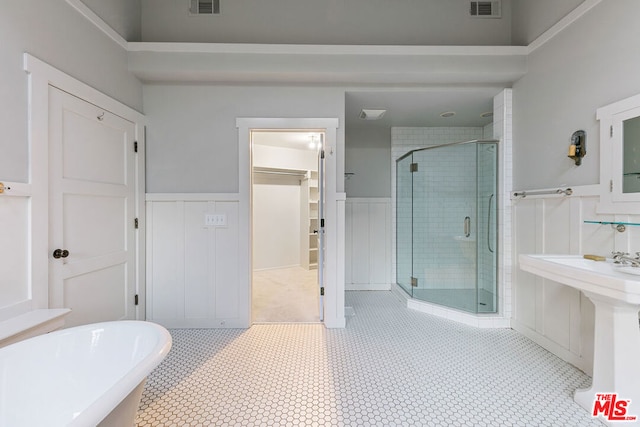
{"x": 578, "y": 147}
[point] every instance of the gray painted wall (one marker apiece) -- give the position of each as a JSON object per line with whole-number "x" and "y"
{"x": 55, "y": 33}
{"x": 124, "y": 16}
{"x": 192, "y": 139}
{"x": 590, "y": 64}
{"x": 402, "y": 22}
{"x": 368, "y": 157}
{"x": 529, "y": 19}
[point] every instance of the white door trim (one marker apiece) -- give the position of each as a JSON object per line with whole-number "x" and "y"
{"x": 40, "y": 76}
{"x": 334, "y": 212}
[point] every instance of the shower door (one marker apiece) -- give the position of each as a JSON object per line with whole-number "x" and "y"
{"x": 404, "y": 224}
{"x": 486, "y": 247}
{"x": 449, "y": 194}
{"x": 445, "y": 230}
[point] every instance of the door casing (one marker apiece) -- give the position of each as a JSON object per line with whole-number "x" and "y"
{"x": 40, "y": 77}
{"x": 334, "y": 212}
{"x": 91, "y": 211}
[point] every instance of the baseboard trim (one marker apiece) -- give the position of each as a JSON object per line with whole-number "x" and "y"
{"x": 553, "y": 347}
{"x": 367, "y": 287}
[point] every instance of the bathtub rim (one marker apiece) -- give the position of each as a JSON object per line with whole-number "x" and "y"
{"x": 99, "y": 409}
{"x": 110, "y": 398}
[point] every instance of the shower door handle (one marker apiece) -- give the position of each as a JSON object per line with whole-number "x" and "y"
{"x": 489, "y": 224}
{"x": 467, "y": 226}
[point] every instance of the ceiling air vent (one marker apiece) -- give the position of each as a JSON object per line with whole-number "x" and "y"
{"x": 204, "y": 7}
{"x": 485, "y": 9}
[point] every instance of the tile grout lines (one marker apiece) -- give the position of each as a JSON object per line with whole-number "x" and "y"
{"x": 389, "y": 367}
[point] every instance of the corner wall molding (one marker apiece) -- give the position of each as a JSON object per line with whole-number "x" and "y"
{"x": 545, "y": 37}
{"x": 317, "y": 49}
{"x": 98, "y": 22}
{"x": 565, "y": 22}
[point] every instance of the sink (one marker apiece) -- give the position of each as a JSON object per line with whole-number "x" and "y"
{"x": 599, "y": 277}
{"x": 630, "y": 270}
{"x": 615, "y": 293}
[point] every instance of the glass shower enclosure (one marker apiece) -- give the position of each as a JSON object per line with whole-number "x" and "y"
{"x": 446, "y": 225}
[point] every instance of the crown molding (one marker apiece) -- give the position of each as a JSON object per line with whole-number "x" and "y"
{"x": 98, "y": 22}
{"x": 545, "y": 37}
{"x": 323, "y": 50}
{"x": 562, "y": 24}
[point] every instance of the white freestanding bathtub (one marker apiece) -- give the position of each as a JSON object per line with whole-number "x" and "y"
{"x": 84, "y": 376}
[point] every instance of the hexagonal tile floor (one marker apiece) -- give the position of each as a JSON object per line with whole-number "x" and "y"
{"x": 390, "y": 366}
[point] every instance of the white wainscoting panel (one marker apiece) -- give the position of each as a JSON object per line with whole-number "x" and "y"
{"x": 556, "y": 316}
{"x": 192, "y": 268}
{"x": 368, "y": 244}
{"x": 15, "y": 256}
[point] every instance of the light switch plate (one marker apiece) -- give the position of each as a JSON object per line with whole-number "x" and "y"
{"x": 215, "y": 220}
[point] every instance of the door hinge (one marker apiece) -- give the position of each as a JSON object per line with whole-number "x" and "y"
{"x": 135, "y": 300}
{"x": 611, "y": 131}
{"x": 322, "y": 291}
{"x": 135, "y": 146}
{"x": 136, "y": 223}
{"x": 413, "y": 167}
{"x": 414, "y": 282}
{"x": 321, "y": 222}
{"x": 610, "y": 186}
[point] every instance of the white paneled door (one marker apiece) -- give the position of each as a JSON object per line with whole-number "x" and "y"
{"x": 92, "y": 258}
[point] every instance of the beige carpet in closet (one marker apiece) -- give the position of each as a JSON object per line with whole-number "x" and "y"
{"x": 285, "y": 295}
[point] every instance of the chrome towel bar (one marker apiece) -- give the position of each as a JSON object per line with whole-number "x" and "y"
{"x": 566, "y": 192}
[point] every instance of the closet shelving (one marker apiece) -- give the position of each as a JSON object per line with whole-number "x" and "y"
{"x": 309, "y": 220}
{"x": 308, "y": 211}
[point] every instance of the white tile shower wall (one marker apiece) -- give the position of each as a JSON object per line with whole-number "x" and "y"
{"x": 487, "y": 131}
{"x": 439, "y": 186}
{"x": 443, "y": 196}
{"x": 503, "y": 131}
{"x": 487, "y": 219}
{"x": 406, "y": 139}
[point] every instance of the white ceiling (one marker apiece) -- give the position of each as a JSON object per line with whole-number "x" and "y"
{"x": 406, "y": 108}
{"x": 415, "y": 84}
{"x": 421, "y": 108}
{"x": 288, "y": 139}
{"x": 437, "y": 64}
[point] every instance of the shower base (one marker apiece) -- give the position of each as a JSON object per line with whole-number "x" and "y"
{"x": 479, "y": 320}
{"x": 460, "y": 299}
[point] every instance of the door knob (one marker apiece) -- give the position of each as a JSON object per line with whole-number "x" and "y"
{"x": 60, "y": 253}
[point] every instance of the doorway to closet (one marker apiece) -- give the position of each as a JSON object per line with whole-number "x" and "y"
{"x": 285, "y": 206}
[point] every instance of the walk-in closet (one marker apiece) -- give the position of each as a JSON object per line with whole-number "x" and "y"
{"x": 285, "y": 195}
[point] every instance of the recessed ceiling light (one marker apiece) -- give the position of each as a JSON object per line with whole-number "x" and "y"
{"x": 486, "y": 114}
{"x": 448, "y": 114}
{"x": 368, "y": 114}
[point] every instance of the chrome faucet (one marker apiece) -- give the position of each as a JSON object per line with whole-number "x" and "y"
{"x": 624, "y": 258}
